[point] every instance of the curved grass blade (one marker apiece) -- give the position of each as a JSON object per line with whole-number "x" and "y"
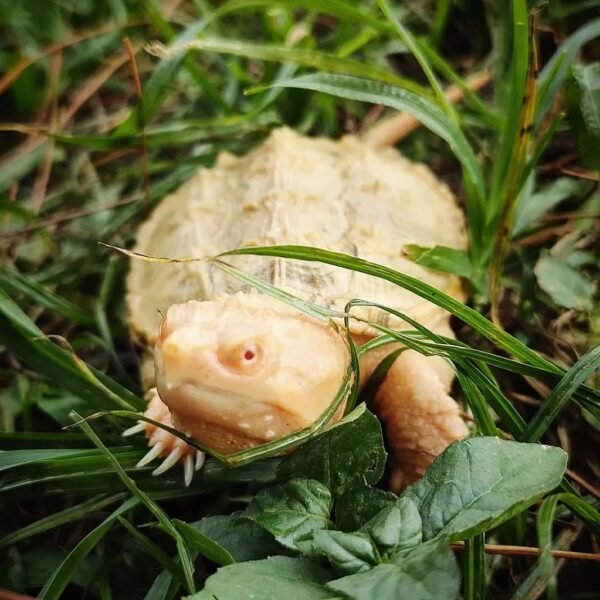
{"x": 203, "y": 544}
{"x": 55, "y": 586}
{"x": 155, "y": 551}
{"x": 409, "y": 41}
{"x": 18, "y": 283}
{"x": 163, "y": 519}
{"x": 559, "y": 397}
{"x": 466, "y": 314}
{"x": 420, "y": 106}
{"x": 298, "y": 56}
{"x": 584, "y": 510}
{"x": 73, "y": 513}
{"x": 20, "y": 335}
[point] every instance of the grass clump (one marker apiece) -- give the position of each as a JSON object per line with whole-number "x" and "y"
{"x": 97, "y": 131}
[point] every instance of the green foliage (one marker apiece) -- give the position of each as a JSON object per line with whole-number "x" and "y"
{"x": 78, "y": 138}
{"x": 471, "y": 487}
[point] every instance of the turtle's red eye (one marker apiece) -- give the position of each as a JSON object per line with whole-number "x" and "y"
{"x": 244, "y": 358}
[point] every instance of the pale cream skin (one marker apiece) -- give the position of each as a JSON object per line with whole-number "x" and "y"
{"x": 246, "y": 369}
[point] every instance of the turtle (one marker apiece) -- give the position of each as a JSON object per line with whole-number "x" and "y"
{"x": 235, "y": 368}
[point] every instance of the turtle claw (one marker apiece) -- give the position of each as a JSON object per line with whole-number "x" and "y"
{"x": 139, "y": 428}
{"x": 153, "y": 453}
{"x": 200, "y": 458}
{"x": 188, "y": 469}
{"x": 172, "y": 459}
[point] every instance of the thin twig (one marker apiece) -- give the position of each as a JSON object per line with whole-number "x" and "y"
{"x": 581, "y": 173}
{"x": 13, "y": 74}
{"x": 142, "y": 117}
{"x": 531, "y": 551}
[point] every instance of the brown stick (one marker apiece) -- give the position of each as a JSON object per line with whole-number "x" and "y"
{"x": 135, "y": 74}
{"x": 396, "y": 127}
{"x": 531, "y": 551}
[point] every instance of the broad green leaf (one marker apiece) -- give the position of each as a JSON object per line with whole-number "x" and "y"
{"x": 565, "y": 285}
{"x": 347, "y": 552}
{"x": 427, "y": 572}
{"x": 556, "y": 69}
{"x": 583, "y": 100}
{"x": 396, "y": 527}
{"x": 478, "y": 483}
{"x": 203, "y": 544}
{"x": 270, "y": 579}
{"x": 532, "y": 207}
{"x": 440, "y": 258}
{"x": 357, "y": 506}
{"x": 242, "y": 539}
{"x": 350, "y": 454}
{"x": 419, "y": 106}
{"x": 292, "y": 512}
{"x": 588, "y": 80}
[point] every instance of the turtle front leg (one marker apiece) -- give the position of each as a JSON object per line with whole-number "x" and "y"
{"x": 164, "y": 444}
{"x": 420, "y": 417}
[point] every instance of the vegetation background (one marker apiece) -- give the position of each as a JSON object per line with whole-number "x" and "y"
{"x": 95, "y": 131}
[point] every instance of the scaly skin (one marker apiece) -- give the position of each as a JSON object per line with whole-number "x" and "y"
{"x": 244, "y": 370}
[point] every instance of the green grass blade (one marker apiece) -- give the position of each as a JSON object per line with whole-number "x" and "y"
{"x": 563, "y": 392}
{"x": 20, "y": 334}
{"x": 545, "y": 520}
{"x": 477, "y": 403}
{"x": 409, "y": 41}
{"x": 466, "y": 314}
{"x": 337, "y": 8}
{"x": 299, "y": 56}
{"x": 154, "y": 551}
{"x": 73, "y": 513}
{"x": 417, "y": 105}
{"x": 584, "y": 510}
{"x": 55, "y": 586}
{"x": 474, "y": 568}
{"x": 163, "y": 519}
{"x": 203, "y": 544}
{"x": 17, "y": 283}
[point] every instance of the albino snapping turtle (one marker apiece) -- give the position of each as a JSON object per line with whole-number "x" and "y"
{"x": 236, "y": 368}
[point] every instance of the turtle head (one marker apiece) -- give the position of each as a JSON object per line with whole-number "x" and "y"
{"x": 246, "y": 369}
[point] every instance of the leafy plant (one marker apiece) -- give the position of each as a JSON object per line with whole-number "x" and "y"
{"x": 90, "y": 153}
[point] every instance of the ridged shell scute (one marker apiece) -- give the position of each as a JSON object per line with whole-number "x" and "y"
{"x": 338, "y": 195}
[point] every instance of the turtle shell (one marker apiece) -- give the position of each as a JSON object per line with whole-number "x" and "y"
{"x": 337, "y": 195}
